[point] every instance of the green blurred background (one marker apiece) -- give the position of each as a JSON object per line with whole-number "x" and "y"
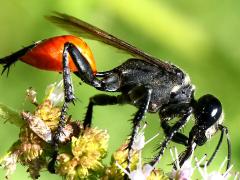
{"x": 201, "y": 37}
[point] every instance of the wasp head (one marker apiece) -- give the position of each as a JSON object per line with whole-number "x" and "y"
{"x": 209, "y": 115}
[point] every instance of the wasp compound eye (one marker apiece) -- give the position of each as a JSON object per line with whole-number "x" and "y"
{"x": 208, "y": 111}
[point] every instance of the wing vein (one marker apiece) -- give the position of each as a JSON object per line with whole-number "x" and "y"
{"x": 86, "y": 30}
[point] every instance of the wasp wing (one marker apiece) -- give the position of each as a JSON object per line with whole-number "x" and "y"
{"x": 86, "y": 30}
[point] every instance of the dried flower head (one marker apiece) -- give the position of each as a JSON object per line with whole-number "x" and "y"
{"x": 35, "y": 136}
{"x": 9, "y": 163}
{"x": 31, "y": 95}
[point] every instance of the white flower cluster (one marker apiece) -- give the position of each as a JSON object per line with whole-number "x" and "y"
{"x": 142, "y": 171}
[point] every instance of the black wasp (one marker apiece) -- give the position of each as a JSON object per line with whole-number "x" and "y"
{"x": 146, "y": 82}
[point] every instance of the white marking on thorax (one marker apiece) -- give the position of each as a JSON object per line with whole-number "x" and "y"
{"x": 175, "y": 88}
{"x": 186, "y": 79}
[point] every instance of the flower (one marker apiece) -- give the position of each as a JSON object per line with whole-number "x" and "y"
{"x": 80, "y": 155}
{"x": 137, "y": 170}
{"x": 81, "y": 151}
{"x": 184, "y": 172}
{"x": 214, "y": 174}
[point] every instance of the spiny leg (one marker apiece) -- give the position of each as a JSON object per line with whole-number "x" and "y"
{"x": 100, "y": 99}
{"x": 178, "y": 137}
{"x": 68, "y": 96}
{"x": 175, "y": 128}
{"x": 103, "y": 99}
{"x": 86, "y": 74}
{"x": 170, "y": 112}
{"x": 146, "y": 97}
{"x": 185, "y": 155}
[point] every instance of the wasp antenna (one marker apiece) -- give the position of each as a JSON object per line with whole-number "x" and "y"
{"x": 223, "y": 130}
{"x": 229, "y": 147}
{"x": 216, "y": 149}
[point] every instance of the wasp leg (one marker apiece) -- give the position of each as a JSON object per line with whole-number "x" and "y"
{"x": 8, "y": 61}
{"x": 178, "y": 137}
{"x": 100, "y": 99}
{"x": 68, "y": 96}
{"x": 170, "y": 112}
{"x": 185, "y": 155}
{"x": 51, "y": 164}
{"x": 223, "y": 130}
{"x": 144, "y": 94}
{"x": 84, "y": 72}
{"x": 141, "y": 94}
{"x": 175, "y": 128}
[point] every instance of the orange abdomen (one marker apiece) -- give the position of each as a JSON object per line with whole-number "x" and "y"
{"x": 47, "y": 54}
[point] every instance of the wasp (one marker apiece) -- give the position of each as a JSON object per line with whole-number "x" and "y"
{"x": 148, "y": 83}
